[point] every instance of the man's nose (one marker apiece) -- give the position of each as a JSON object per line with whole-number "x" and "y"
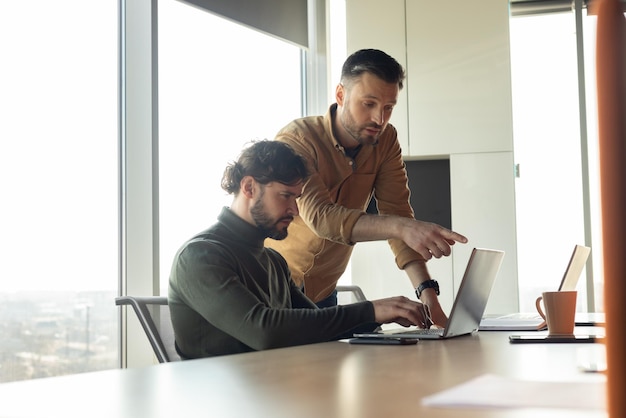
{"x": 378, "y": 116}
{"x": 293, "y": 209}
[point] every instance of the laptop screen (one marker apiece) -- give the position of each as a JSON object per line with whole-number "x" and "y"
{"x": 574, "y": 267}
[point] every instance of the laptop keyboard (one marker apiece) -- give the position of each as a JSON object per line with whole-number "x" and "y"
{"x": 429, "y": 331}
{"x": 523, "y": 316}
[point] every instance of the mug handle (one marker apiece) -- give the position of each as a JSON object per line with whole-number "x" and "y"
{"x": 543, "y": 315}
{"x": 538, "y": 305}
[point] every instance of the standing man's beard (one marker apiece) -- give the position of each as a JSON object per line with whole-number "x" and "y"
{"x": 265, "y": 224}
{"x": 350, "y": 126}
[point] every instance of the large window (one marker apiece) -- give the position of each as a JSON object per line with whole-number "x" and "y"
{"x": 58, "y": 182}
{"x": 221, "y": 85}
{"x": 557, "y": 159}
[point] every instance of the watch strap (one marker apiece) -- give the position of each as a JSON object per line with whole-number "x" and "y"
{"x": 428, "y": 284}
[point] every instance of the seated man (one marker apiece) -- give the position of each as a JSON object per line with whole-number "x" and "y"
{"x": 230, "y": 294}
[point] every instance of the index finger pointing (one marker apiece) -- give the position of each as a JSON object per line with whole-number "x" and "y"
{"x": 453, "y": 237}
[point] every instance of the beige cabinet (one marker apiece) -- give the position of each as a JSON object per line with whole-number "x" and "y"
{"x": 380, "y": 24}
{"x": 483, "y": 209}
{"x": 457, "y": 97}
{"x": 458, "y": 64}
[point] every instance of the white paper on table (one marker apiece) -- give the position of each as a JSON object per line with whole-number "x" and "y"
{"x": 502, "y": 392}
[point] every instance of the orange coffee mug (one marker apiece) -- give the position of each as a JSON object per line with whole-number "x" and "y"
{"x": 560, "y": 310}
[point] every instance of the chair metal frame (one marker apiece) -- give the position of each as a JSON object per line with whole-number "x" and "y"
{"x": 354, "y": 289}
{"x": 142, "y": 307}
{"x": 165, "y": 351}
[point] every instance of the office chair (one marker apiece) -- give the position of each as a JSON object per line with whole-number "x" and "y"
{"x": 356, "y": 291}
{"x": 154, "y": 315}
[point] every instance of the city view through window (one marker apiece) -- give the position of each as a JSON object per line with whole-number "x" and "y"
{"x": 58, "y": 181}
{"x": 59, "y": 164}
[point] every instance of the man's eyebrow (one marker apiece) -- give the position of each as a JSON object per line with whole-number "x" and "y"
{"x": 371, "y": 96}
{"x": 287, "y": 190}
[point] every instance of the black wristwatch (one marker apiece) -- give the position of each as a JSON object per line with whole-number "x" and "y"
{"x": 428, "y": 284}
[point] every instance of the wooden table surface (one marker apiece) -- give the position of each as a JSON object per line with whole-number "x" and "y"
{"x": 334, "y": 379}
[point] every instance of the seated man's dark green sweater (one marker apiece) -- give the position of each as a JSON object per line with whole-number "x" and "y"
{"x": 229, "y": 294}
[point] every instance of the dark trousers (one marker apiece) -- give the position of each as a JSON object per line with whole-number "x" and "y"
{"x": 329, "y": 301}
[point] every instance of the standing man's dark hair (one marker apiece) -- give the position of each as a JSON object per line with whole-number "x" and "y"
{"x": 265, "y": 161}
{"x": 375, "y": 62}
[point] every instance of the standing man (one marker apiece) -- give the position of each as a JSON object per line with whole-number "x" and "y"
{"x": 229, "y": 294}
{"x": 353, "y": 154}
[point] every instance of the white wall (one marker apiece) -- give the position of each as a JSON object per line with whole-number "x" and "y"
{"x": 458, "y": 106}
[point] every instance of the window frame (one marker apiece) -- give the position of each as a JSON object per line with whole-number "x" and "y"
{"x": 139, "y": 152}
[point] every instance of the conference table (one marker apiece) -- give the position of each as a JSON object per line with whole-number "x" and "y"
{"x": 334, "y": 379}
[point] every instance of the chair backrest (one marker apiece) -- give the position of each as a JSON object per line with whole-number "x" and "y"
{"x": 356, "y": 291}
{"x": 154, "y": 316}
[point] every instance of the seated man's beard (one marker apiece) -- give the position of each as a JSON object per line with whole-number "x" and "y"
{"x": 265, "y": 224}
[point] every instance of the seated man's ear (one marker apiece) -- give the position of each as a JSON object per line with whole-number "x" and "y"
{"x": 247, "y": 186}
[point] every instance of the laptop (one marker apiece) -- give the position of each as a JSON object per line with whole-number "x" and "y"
{"x": 469, "y": 305}
{"x": 533, "y": 321}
